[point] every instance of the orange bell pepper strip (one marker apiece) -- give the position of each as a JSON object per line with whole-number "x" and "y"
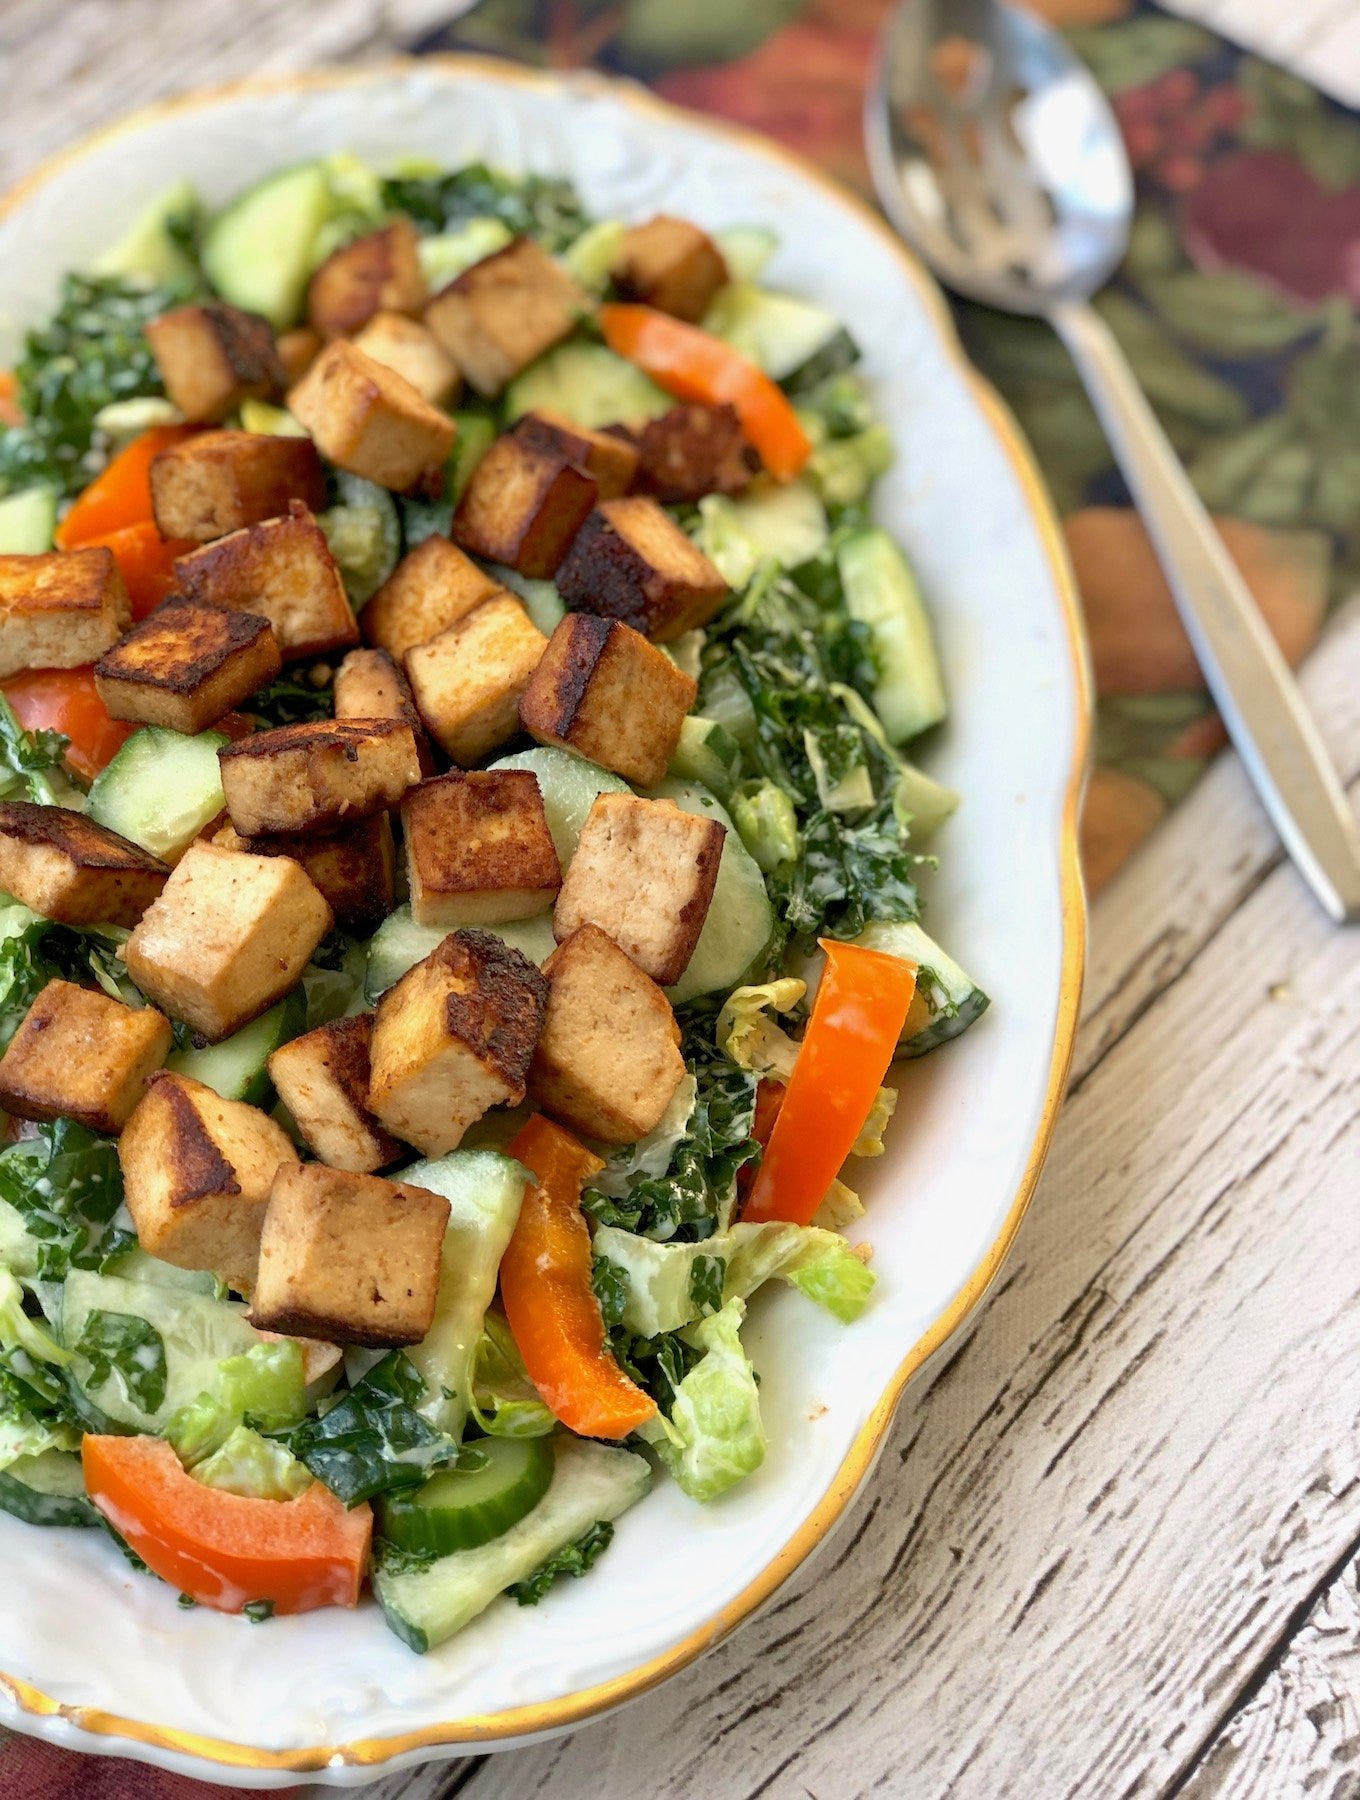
{"x": 692, "y": 364}
{"x": 122, "y": 494}
{"x": 146, "y": 561}
{"x": 769, "y": 1104}
{"x": 851, "y": 1036}
{"x": 227, "y": 1550}
{"x": 11, "y": 413}
{"x": 546, "y": 1292}
{"x": 66, "y": 700}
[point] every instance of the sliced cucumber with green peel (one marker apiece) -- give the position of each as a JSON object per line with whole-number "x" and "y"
{"x": 235, "y": 1068}
{"x": 257, "y": 252}
{"x": 460, "y": 1509}
{"x": 740, "y": 919}
{"x": 589, "y": 384}
{"x": 399, "y": 944}
{"x": 707, "y": 753}
{"x": 927, "y": 802}
{"x": 147, "y": 250}
{"x": 591, "y": 256}
{"x": 779, "y": 332}
{"x": 544, "y": 605}
{"x": 569, "y": 785}
{"x": 27, "y": 522}
{"x": 48, "y": 1489}
{"x": 881, "y": 592}
{"x": 746, "y": 249}
{"x": 947, "y": 1000}
{"x": 161, "y": 789}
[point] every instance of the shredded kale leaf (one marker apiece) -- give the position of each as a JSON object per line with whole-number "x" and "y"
{"x": 530, "y": 205}
{"x": 44, "y": 952}
{"x": 658, "y": 1365}
{"x": 611, "y": 1284}
{"x": 706, "y": 1278}
{"x": 258, "y": 1611}
{"x": 572, "y": 1561}
{"x": 121, "y": 1344}
{"x": 28, "y": 759}
{"x": 66, "y": 1183}
{"x": 291, "y": 700}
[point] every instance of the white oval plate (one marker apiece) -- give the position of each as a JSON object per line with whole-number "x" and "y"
{"x": 101, "y": 1658}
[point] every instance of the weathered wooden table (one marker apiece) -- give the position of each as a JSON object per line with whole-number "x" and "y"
{"x": 1112, "y": 1547}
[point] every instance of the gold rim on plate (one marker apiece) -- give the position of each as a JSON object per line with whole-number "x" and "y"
{"x": 489, "y": 1729}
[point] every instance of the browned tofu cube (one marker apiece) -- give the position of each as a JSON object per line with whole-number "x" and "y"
{"x": 377, "y": 273}
{"x": 468, "y": 681}
{"x": 349, "y": 1258}
{"x": 603, "y": 691}
{"x": 370, "y": 685}
{"x": 523, "y": 507}
{"x": 298, "y": 350}
{"x": 282, "y": 569}
{"x": 60, "y": 610}
{"x": 186, "y": 666}
{"x": 453, "y": 1038}
{"x": 415, "y": 353}
{"x": 69, "y": 869}
{"x": 670, "y": 264}
{"x": 478, "y": 849}
{"x": 631, "y": 561}
{"x": 212, "y": 357}
{"x": 218, "y": 481}
{"x": 229, "y": 935}
{"x": 644, "y": 872}
{"x": 691, "y": 451}
{"x": 353, "y": 870}
{"x": 430, "y": 589}
{"x": 197, "y": 1174}
{"x": 322, "y": 1078}
{"x": 505, "y": 311}
{"x": 81, "y": 1054}
{"x": 317, "y": 776}
{"x": 608, "y": 1059}
{"x": 608, "y": 458}
{"x": 365, "y": 418}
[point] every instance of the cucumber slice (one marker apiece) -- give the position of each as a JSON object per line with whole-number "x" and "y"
{"x": 746, "y": 249}
{"x": 881, "y": 591}
{"x": 363, "y": 534}
{"x": 569, "y": 785}
{"x": 459, "y": 1509}
{"x": 48, "y": 1489}
{"x": 235, "y": 1068}
{"x": 146, "y": 249}
{"x": 269, "y": 421}
{"x": 589, "y": 384}
{"x": 139, "y": 1265}
{"x": 707, "y": 753}
{"x": 592, "y": 255}
{"x": 740, "y": 918}
{"x": 27, "y": 522}
{"x": 779, "y": 332}
{"x": 399, "y": 944}
{"x": 947, "y": 1001}
{"x": 787, "y": 524}
{"x": 928, "y": 802}
{"x": 591, "y": 1482}
{"x": 161, "y": 789}
{"x": 544, "y": 605}
{"x": 257, "y": 252}
{"x": 444, "y": 257}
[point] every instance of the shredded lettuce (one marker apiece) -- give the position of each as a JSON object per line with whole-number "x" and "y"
{"x": 257, "y": 1467}
{"x": 748, "y": 1034}
{"x": 264, "y": 1386}
{"x": 505, "y": 1403}
{"x": 840, "y": 1209}
{"x": 651, "y": 1155}
{"x": 713, "y": 1437}
{"x": 870, "y": 1139}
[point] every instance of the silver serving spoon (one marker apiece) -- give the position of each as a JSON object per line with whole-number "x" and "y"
{"x": 995, "y": 154}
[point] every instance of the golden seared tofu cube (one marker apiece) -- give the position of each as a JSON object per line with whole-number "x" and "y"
{"x": 453, "y": 1038}
{"x": 229, "y": 935}
{"x": 415, "y": 353}
{"x": 60, "y": 610}
{"x": 214, "y": 356}
{"x": 349, "y": 1258}
{"x": 644, "y": 872}
{"x": 670, "y": 264}
{"x": 354, "y": 870}
{"x": 377, "y": 273}
{"x": 216, "y": 482}
{"x": 298, "y": 350}
{"x": 364, "y": 417}
{"x": 631, "y": 561}
{"x": 498, "y": 316}
{"x": 186, "y": 666}
{"x": 611, "y": 461}
{"x": 690, "y": 451}
{"x": 370, "y": 685}
{"x": 602, "y": 690}
{"x": 478, "y": 849}
{"x": 284, "y": 571}
{"x": 608, "y": 1059}
{"x": 523, "y": 506}
{"x": 197, "y": 1174}
{"x": 468, "y": 681}
{"x": 69, "y": 869}
{"x": 431, "y": 588}
{"x": 318, "y": 776}
{"x": 322, "y": 1078}
{"x": 81, "y": 1054}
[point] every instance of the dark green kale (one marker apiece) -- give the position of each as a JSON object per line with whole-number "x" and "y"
{"x": 44, "y": 952}
{"x": 611, "y": 1284}
{"x": 530, "y": 205}
{"x": 571, "y": 1562}
{"x": 66, "y": 1183}
{"x": 707, "y": 1275}
{"x": 28, "y": 760}
{"x": 293, "y": 699}
{"x": 129, "y": 1347}
{"x": 258, "y": 1611}
{"x": 841, "y": 353}
{"x": 658, "y": 1365}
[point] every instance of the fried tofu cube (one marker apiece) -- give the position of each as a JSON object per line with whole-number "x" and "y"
{"x": 430, "y": 589}
{"x": 217, "y": 481}
{"x": 379, "y": 272}
{"x": 322, "y": 1078}
{"x": 298, "y": 350}
{"x": 284, "y": 571}
{"x": 415, "y": 353}
{"x": 644, "y": 872}
{"x": 81, "y": 1054}
{"x": 498, "y": 316}
{"x": 69, "y": 869}
{"x": 453, "y": 1038}
{"x": 197, "y": 1174}
{"x": 60, "y": 610}
{"x": 214, "y": 356}
{"x": 229, "y": 935}
{"x": 348, "y": 1257}
{"x": 690, "y": 451}
{"x": 603, "y": 691}
{"x": 468, "y": 681}
{"x": 366, "y": 418}
{"x": 478, "y": 849}
{"x": 186, "y": 666}
{"x": 318, "y": 775}
{"x": 631, "y": 561}
{"x": 608, "y": 1059}
{"x": 354, "y": 870}
{"x": 610, "y": 460}
{"x": 370, "y": 685}
{"x": 670, "y": 264}
{"x": 523, "y": 506}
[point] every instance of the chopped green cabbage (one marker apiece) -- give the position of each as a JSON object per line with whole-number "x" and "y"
{"x": 714, "y": 1437}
